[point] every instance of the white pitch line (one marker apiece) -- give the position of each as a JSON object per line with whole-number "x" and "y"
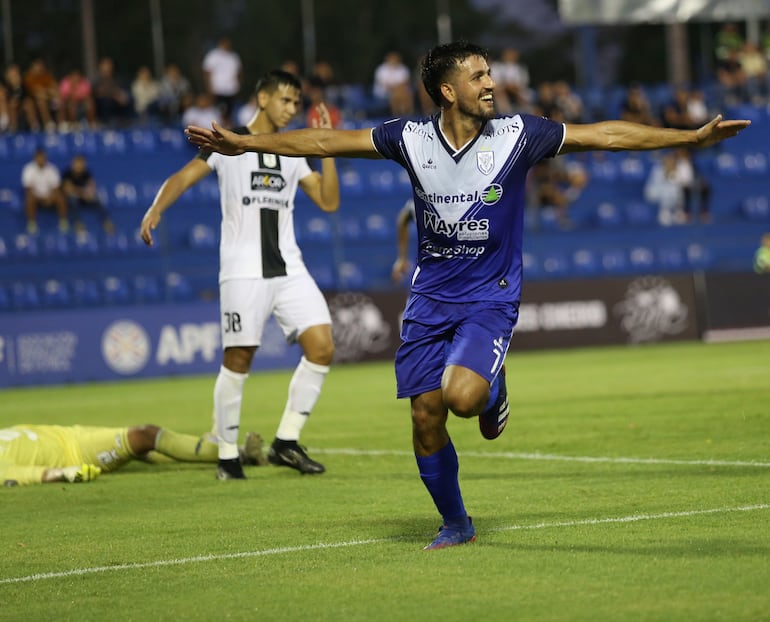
{"x": 551, "y": 457}
{"x": 338, "y": 545}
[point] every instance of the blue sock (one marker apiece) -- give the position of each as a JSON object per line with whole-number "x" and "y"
{"x": 439, "y": 474}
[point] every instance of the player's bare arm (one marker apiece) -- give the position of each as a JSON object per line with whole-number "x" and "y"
{"x": 623, "y": 135}
{"x": 190, "y": 174}
{"x": 311, "y": 142}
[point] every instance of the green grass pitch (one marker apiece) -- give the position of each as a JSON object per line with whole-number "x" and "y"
{"x": 632, "y": 483}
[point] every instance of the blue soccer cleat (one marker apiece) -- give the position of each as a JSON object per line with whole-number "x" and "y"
{"x": 453, "y": 535}
{"x": 492, "y": 421}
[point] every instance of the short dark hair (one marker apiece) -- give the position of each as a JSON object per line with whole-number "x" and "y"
{"x": 442, "y": 60}
{"x": 275, "y": 78}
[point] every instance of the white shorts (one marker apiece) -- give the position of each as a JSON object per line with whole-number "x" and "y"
{"x": 246, "y": 305}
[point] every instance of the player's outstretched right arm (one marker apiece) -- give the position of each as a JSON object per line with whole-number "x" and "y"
{"x": 309, "y": 143}
{"x": 190, "y": 174}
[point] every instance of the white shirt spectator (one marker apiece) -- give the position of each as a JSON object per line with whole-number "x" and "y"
{"x": 390, "y": 74}
{"x": 202, "y": 112}
{"x": 42, "y": 181}
{"x": 223, "y": 67}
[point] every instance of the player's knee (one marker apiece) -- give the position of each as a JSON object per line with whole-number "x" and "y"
{"x": 142, "y": 438}
{"x": 321, "y": 352}
{"x": 462, "y": 401}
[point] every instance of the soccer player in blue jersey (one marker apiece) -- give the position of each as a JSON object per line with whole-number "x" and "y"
{"x": 468, "y": 168}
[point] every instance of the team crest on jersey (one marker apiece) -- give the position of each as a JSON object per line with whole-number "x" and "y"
{"x": 485, "y": 160}
{"x": 269, "y": 160}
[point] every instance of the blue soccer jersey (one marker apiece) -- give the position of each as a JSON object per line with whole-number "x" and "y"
{"x": 469, "y": 203}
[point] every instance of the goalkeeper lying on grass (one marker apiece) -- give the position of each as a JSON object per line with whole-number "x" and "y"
{"x": 35, "y": 454}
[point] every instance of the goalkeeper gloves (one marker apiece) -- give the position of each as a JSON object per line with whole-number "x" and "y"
{"x": 82, "y": 473}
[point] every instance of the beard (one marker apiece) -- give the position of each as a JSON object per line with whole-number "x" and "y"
{"x": 478, "y": 111}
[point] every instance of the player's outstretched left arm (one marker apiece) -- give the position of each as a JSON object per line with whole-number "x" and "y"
{"x": 626, "y": 136}
{"x": 310, "y": 143}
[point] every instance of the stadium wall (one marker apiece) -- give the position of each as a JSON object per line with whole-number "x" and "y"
{"x": 84, "y": 345}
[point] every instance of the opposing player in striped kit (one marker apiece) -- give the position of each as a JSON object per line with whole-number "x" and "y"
{"x": 262, "y": 272}
{"x": 468, "y": 168}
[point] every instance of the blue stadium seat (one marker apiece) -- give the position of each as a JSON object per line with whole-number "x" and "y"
{"x": 699, "y": 257}
{"x": 203, "y": 237}
{"x": 614, "y": 261}
{"x": 351, "y": 183}
{"x": 146, "y": 289}
{"x": 548, "y": 219}
{"x": 323, "y": 275}
{"x": 84, "y": 142}
{"x": 172, "y": 139}
{"x": 124, "y": 194}
{"x": 208, "y": 189}
{"x": 351, "y": 276}
{"x": 85, "y": 244}
{"x": 4, "y": 250}
{"x": 602, "y": 167}
{"x": 633, "y": 168}
{"x": 5, "y": 147}
{"x": 640, "y": 214}
{"x": 379, "y": 227}
{"x": 585, "y": 262}
{"x": 25, "y": 246}
{"x": 756, "y": 208}
{"x": 55, "y": 294}
{"x": 530, "y": 266}
{"x": 10, "y": 199}
{"x": 85, "y": 293}
{"x": 608, "y": 215}
{"x": 755, "y": 163}
{"x": 55, "y": 245}
{"x": 5, "y": 299}
{"x": 56, "y": 145}
{"x": 317, "y": 229}
{"x": 350, "y": 228}
{"x": 178, "y": 287}
{"x": 727, "y": 166}
{"x": 142, "y": 140}
{"x": 671, "y": 258}
{"x": 25, "y": 296}
{"x": 555, "y": 265}
{"x": 116, "y": 291}
{"x": 382, "y": 181}
{"x": 112, "y": 142}
{"x": 116, "y": 244}
{"x": 24, "y": 146}
{"x": 641, "y": 259}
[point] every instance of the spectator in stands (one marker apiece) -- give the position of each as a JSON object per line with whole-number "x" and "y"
{"x": 764, "y": 42}
{"x": 316, "y": 96}
{"x": 554, "y": 184}
{"x": 728, "y": 39}
{"x": 404, "y": 220}
{"x": 173, "y": 91}
{"x": 42, "y": 189}
{"x": 678, "y": 112}
{"x": 664, "y": 190}
{"x": 41, "y": 86}
{"x": 145, "y": 91}
{"x": 754, "y": 65}
{"x": 731, "y": 78}
{"x": 77, "y": 103}
{"x": 545, "y": 103}
{"x": 636, "y": 107}
{"x": 513, "y": 93}
{"x": 762, "y": 256}
{"x": 223, "y": 72}
{"x": 81, "y": 194}
{"x": 568, "y": 102}
{"x": 113, "y": 102}
{"x": 324, "y": 72}
{"x": 393, "y": 85}
{"x": 202, "y": 110}
{"x": 697, "y": 108}
{"x": 20, "y": 107}
{"x": 246, "y": 111}
{"x": 696, "y": 189}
